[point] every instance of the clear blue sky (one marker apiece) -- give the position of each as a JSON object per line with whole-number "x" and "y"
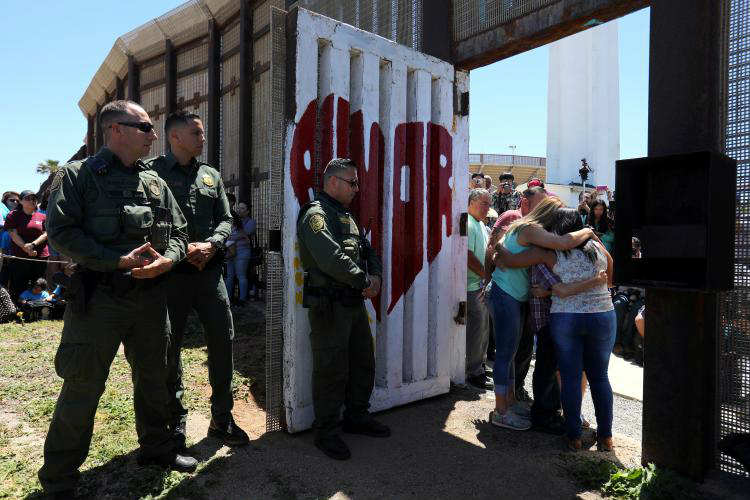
{"x": 509, "y": 98}
{"x": 51, "y": 50}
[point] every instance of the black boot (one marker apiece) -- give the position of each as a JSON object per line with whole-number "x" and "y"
{"x": 333, "y": 446}
{"x": 180, "y": 463}
{"x": 179, "y": 437}
{"x": 229, "y": 433}
{"x": 367, "y": 426}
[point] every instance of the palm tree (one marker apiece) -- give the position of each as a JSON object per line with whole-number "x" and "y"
{"x": 47, "y": 167}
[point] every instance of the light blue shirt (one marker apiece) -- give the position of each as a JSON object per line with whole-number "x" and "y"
{"x": 514, "y": 282}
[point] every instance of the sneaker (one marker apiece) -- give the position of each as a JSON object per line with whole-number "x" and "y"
{"x": 509, "y": 420}
{"x": 521, "y": 410}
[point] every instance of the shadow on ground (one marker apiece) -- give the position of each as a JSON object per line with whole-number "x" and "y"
{"x": 442, "y": 448}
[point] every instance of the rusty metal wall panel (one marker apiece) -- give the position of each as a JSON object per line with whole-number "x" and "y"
{"x": 474, "y": 16}
{"x": 192, "y": 95}
{"x": 397, "y": 20}
{"x": 152, "y": 73}
{"x": 193, "y": 56}
{"x": 154, "y": 101}
{"x": 229, "y": 110}
{"x": 734, "y": 348}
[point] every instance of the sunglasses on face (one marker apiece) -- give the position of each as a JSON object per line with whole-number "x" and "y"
{"x": 12, "y": 200}
{"x": 352, "y": 182}
{"x": 30, "y": 198}
{"x": 144, "y": 127}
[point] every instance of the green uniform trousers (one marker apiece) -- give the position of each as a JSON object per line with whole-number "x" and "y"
{"x": 205, "y": 293}
{"x": 89, "y": 344}
{"x": 343, "y": 363}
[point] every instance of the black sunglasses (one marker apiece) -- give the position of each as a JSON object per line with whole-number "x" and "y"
{"x": 14, "y": 200}
{"x": 352, "y": 182}
{"x": 144, "y": 127}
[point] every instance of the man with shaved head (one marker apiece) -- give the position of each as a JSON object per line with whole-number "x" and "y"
{"x": 121, "y": 225}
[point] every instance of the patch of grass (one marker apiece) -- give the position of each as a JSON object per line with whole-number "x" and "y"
{"x": 29, "y": 388}
{"x": 638, "y": 483}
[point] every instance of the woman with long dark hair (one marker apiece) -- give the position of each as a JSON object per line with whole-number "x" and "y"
{"x": 583, "y": 326}
{"x": 604, "y": 227}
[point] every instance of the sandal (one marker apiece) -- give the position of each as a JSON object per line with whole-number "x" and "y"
{"x": 572, "y": 444}
{"x": 604, "y": 444}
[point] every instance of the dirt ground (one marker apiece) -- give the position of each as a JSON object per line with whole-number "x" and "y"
{"x": 442, "y": 448}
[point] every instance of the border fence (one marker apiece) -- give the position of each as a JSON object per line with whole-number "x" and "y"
{"x": 734, "y": 306}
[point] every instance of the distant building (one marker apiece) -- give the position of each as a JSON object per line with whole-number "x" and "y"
{"x": 523, "y": 168}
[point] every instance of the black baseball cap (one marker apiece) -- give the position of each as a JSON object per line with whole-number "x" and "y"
{"x": 26, "y": 193}
{"x": 477, "y": 174}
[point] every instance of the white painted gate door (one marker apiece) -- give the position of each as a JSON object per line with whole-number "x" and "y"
{"x": 390, "y": 108}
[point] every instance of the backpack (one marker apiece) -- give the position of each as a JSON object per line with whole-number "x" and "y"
{"x": 7, "y": 307}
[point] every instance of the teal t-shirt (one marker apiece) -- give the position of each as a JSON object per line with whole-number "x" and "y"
{"x": 477, "y": 246}
{"x": 514, "y": 282}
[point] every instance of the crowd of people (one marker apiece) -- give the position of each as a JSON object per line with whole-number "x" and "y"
{"x": 539, "y": 281}
{"x": 31, "y": 269}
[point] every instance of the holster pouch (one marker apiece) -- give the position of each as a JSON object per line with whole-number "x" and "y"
{"x": 75, "y": 290}
{"x": 161, "y": 229}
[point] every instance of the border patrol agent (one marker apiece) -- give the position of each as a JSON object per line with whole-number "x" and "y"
{"x": 119, "y": 222}
{"x": 341, "y": 271}
{"x": 196, "y": 283}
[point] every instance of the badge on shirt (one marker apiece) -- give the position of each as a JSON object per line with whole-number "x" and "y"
{"x": 154, "y": 187}
{"x": 317, "y": 223}
{"x": 208, "y": 181}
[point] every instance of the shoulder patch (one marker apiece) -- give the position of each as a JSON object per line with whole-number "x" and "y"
{"x": 57, "y": 180}
{"x": 208, "y": 181}
{"x": 317, "y": 223}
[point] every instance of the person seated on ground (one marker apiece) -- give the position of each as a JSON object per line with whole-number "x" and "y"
{"x": 36, "y": 302}
{"x": 583, "y": 327}
{"x": 35, "y": 293}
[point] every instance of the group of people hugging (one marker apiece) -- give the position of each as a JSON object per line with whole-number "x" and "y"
{"x": 548, "y": 266}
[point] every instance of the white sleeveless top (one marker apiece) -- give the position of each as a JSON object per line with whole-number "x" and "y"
{"x": 575, "y": 267}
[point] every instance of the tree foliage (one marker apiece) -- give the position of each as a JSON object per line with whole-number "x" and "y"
{"x": 47, "y": 167}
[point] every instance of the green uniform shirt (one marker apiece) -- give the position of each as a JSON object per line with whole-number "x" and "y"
{"x": 100, "y": 210}
{"x": 200, "y": 194}
{"x": 332, "y": 248}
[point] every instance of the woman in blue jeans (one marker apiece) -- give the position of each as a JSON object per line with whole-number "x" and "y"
{"x": 583, "y": 327}
{"x": 242, "y": 228}
{"x": 508, "y": 298}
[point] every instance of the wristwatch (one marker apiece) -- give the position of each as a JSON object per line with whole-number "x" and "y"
{"x": 217, "y": 245}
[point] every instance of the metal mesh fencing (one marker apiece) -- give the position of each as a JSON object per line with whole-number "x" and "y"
{"x": 471, "y": 17}
{"x": 734, "y": 347}
{"x": 274, "y": 260}
{"x": 274, "y": 341}
{"x": 229, "y": 110}
{"x": 397, "y": 20}
{"x": 192, "y": 84}
{"x": 154, "y": 101}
